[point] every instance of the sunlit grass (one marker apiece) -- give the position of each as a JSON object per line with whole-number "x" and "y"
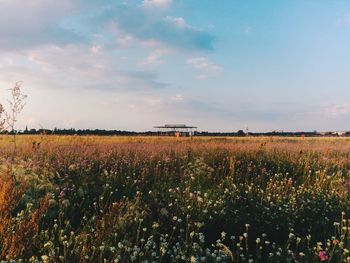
{"x": 166, "y": 199}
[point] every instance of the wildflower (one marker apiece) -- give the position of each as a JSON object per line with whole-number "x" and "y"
{"x": 45, "y": 258}
{"x": 323, "y": 255}
{"x": 48, "y": 244}
{"x": 223, "y": 235}
{"x": 155, "y": 225}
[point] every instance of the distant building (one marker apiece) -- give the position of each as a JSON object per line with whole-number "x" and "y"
{"x": 177, "y": 130}
{"x": 340, "y": 133}
{"x": 332, "y": 134}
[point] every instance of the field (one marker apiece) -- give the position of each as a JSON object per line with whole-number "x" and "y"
{"x": 150, "y": 199}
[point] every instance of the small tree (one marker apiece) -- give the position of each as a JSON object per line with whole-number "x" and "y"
{"x": 8, "y": 118}
{"x": 17, "y": 104}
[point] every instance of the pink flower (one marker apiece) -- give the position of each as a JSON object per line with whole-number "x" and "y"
{"x": 62, "y": 194}
{"x": 323, "y": 255}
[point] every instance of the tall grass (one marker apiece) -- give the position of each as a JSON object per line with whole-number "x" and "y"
{"x": 138, "y": 199}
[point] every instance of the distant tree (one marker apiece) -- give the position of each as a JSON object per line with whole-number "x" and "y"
{"x": 241, "y": 133}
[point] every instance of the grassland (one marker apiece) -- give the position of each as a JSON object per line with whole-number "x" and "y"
{"x": 159, "y": 199}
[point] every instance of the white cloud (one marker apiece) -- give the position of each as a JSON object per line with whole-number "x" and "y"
{"x": 95, "y": 49}
{"x": 204, "y": 65}
{"x": 153, "y": 59}
{"x": 177, "y": 21}
{"x": 164, "y": 4}
{"x": 155, "y": 56}
{"x": 93, "y": 70}
{"x": 64, "y": 75}
{"x": 178, "y": 98}
{"x": 32, "y": 23}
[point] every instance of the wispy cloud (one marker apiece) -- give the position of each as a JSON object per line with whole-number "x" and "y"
{"x": 204, "y": 66}
{"x": 177, "y": 21}
{"x": 172, "y": 32}
{"x": 26, "y": 24}
{"x": 78, "y": 53}
{"x": 51, "y": 22}
{"x": 154, "y": 58}
{"x": 157, "y": 3}
{"x": 178, "y": 98}
{"x": 94, "y": 69}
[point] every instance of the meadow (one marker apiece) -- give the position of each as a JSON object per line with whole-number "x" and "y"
{"x": 165, "y": 199}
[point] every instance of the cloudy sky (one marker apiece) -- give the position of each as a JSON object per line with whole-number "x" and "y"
{"x": 221, "y": 65}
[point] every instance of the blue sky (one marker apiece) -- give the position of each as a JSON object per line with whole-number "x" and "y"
{"x": 220, "y": 65}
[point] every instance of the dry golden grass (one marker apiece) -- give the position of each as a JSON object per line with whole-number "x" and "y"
{"x": 91, "y": 198}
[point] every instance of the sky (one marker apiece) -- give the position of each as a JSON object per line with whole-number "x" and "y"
{"x": 220, "y": 65}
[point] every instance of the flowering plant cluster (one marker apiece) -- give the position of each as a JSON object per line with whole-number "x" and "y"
{"x": 111, "y": 199}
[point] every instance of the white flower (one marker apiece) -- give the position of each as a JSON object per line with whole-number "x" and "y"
{"x": 223, "y": 235}
{"x": 45, "y": 258}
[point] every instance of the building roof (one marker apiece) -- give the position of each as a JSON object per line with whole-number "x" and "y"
{"x": 175, "y": 126}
